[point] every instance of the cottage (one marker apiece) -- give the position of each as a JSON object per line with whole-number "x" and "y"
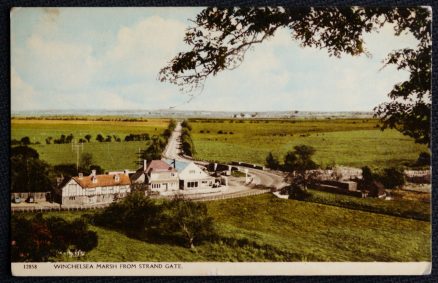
{"x": 157, "y": 175}
{"x": 191, "y": 176}
{"x": 94, "y": 189}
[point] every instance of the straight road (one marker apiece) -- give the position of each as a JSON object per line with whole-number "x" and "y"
{"x": 260, "y": 177}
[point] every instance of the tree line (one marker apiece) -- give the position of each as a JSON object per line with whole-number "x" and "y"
{"x": 157, "y": 144}
{"x": 301, "y": 174}
{"x": 187, "y": 145}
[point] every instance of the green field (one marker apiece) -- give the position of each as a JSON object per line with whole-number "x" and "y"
{"x": 350, "y": 142}
{"x": 109, "y": 155}
{"x": 265, "y": 228}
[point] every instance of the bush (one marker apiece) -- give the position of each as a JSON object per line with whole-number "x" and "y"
{"x": 298, "y": 193}
{"x": 423, "y": 159}
{"x": 38, "y": 239}
{"x": 392, "y": 178}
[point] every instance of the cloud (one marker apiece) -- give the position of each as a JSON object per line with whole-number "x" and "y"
{"x": 55, "y": 65}
{"x": 23, "y": 96}
{"x": 70, "y": 59}
{"x": 144, "y": 48}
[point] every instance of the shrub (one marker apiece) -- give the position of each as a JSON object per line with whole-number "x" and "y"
{"x": 392, "y": 178}
{"x": 423, "y": 159}
{"x": 298, "y": 193}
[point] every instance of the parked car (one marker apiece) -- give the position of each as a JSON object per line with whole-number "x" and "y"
{"x": 30, "y": 199}
{"x": 17, "y": 199}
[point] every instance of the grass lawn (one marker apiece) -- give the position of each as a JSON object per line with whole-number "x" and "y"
{"x": 266, "y": 228}
{"x": 413, "y": 209}
{"x": 352, "y": 142}
{"x": 109, "y": 155}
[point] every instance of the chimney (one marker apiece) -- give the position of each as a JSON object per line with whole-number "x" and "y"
{"x": 81, "y": 175}
{"x": 93, "y": 172}
{"x": 144, "y": 164}
{"x": 174, "y": 163}
{"x": 126, "y": 172}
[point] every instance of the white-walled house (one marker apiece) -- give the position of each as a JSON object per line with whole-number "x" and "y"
{"x": 191, "y": 176}
{"x": 158, "y": 176}
{"x": 94, "y": 189}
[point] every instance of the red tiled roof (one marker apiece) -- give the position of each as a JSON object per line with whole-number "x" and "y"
{"x": 102, "y": 181}
{"x": 159, "y": 165}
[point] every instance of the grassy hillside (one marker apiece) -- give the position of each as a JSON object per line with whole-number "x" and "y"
{"x": 265, "y": 228}
{"x": 353, "y": 142}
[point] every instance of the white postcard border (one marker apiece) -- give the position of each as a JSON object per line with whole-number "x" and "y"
{"x": 217, "y": 268}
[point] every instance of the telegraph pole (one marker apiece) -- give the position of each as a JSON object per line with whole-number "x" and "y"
{"x": 77, "y": 147}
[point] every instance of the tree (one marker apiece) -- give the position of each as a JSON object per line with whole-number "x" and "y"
{"x": 69, "y": 138}
{"x": 25, "y": 141}
{"x": 423, "y": 159}
{"x": 28, "y": 173}
{"x": 39, "y": 239}
{"x": 299, "y": 163}
{"x": 367, "y": 177}
{"x": 49, "y": 140}
{"x": 272, "y": 162}
{"x": 136, "y": 214}
{"x": 392, "y": 178}
{"x": 100, "y": 138}
{"x": 86, "y": 160}
{"x": 289, "y": 161}
{"x": 88, "y": 137}
{"x": 221, "y": 37}
{"x": 186, "y": 124}
{"x": 189, "y": 220}
{"x": 24, "y": 152}
{"x": 153, "y": 151}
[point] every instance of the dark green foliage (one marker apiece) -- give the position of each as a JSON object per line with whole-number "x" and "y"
{"x": 392, "y": 178}
{"x": 189, "y": 220}
{"x": 272, "y": 162}
{"x": 100, "y": 138}
{"x": 135, "y": 215}
{"x": 38, "y": 239}
{"x": 24, "y": 152}
{"x": 300, "y": 159}
{"x": 25, "y": 141}
{"x": 296, "y": 192}
{"x": 186, "y": 124}
{"x": 86, "y": 160}
{"x": 137, "y": 137}
{"x": 423, "y": 159}
{"x": 88, "y": 137}
{"x": 154, "y": 150}
{"x": 187, "y": 145}
{"x": 140, "y": 217}
{"x": 28, "y": 173}
{"x": 221, "y": 37}
{"x": 290, "y": 160}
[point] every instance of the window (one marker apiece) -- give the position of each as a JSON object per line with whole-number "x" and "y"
{"x": 192, "y": 184}
{"x": 72, "y": 198}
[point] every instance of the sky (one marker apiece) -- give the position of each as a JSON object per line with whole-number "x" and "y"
{"x": 109, "y": 59}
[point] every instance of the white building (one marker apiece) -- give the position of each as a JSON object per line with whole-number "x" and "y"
{"x": 191, "y": 176}
{"x": 158, "y": 176}
{"x": 94, "y": 189}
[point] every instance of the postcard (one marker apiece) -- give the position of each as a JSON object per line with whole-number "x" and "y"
{"x": 220, "y": 141}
